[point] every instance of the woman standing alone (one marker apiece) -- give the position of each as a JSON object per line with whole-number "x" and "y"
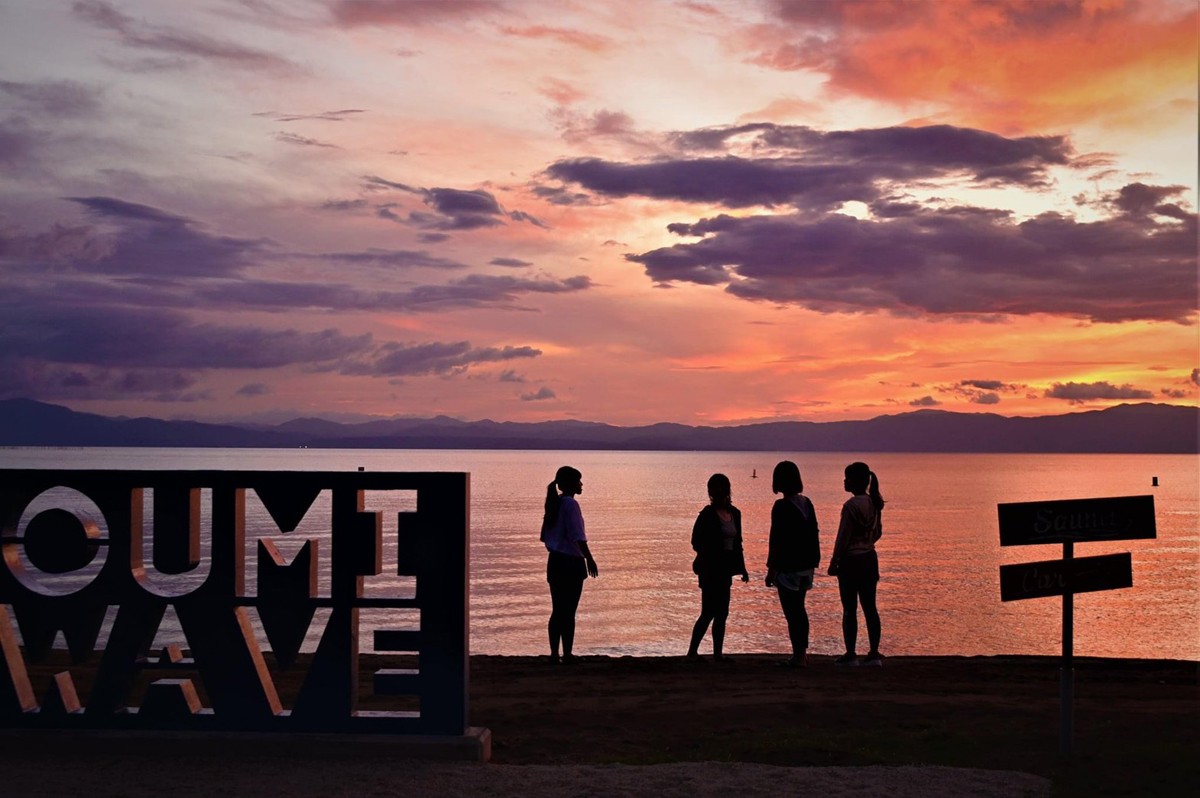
{"x": 855, "y": 563}
{"x": 717, "y": 541}
{"x": 570, "y": 561}
{"x": 794, "y": 551}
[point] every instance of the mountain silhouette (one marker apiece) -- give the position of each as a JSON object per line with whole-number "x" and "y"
{"x": 1145, "y": 427}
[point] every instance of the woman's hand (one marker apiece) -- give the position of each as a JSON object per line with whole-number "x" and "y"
{"x": 593, "y": 571}
{"x": 745, "y": 576}
{"x": 770, "y": 577}
{"x": 833, "y": 568}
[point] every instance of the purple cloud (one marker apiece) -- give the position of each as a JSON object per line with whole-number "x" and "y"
{"x": 1076, "y": 392}
{"x": 812, "y": 169}
{"x": 987, "y": 398}
{"x": 150, "y": 241}
{"x": 254, "y": 389}
{"x": 540, "y": 395}
{"x": 58, "y": 98}
{"x": 392, "y": 258}
{"x": 404, "y": 360}
{"x": 511, "y": 263}
{"x": 302, "y": 141}
{"x": 134, "y": 34}
{"x": 323, "y": 116}
{"x": 925, "y": 401}
{"x": 944, "y": 262}
{"x": 472, "y": 291}
{"x": 407, "y": 13}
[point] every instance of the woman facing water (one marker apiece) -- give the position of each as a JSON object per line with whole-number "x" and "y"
{"x": 855, "y": 563}
{"x": 570, "y": 561}
{"x": 717, "y": 541}
{"x": 794, "y": 551}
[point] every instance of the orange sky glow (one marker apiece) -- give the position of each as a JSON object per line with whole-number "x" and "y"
{"x": 627, "y": 212}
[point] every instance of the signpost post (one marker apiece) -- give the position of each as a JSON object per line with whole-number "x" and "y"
{"x": 1069, "y": 522}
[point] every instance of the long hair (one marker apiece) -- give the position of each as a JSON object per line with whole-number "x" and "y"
{"x": 550, "y": 518}
{"x": 859, "y": 476}
{"x": 718, "y": 485}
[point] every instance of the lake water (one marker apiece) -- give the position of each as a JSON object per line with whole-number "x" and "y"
{"x": 939, "y": 556}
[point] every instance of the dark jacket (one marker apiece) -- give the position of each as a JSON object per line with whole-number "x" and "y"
{"x": 708, "y": 542}
{"x": 794, "y": 543}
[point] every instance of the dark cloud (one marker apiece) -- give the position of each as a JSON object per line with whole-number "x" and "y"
{"x": 521, "y": 216}
{"x": 985, "y": 385}
{"x": 1139, "y": 199}
{"x": 130, "y": 337}
{"x": 510, "y": 375}
{"x": 23, "y": 377}
{"x": 559, "y": 195}
{"x": 59, "y": 97}
{"x": 323, "y": 116}
{"x": 376, "y": 183}
{"x": 303, "y": 141}
{"x": 137, "y": 35}
{"x": 459, "y": 209}
{"x": 540, "y": 395}
{"x": 1176, "y": 393}
{"x": 1195, "y": 377}
{"x": 987, "y": 398}
{"x": 473, "y": 291}
{"x": 403, "y": 360}
{"x": 452, "y": 209}
{"x": 432, "y": 238}
{"x": 392, "y": 258}
{"x": 150, "y": 241}
{"x": 512, "y": 263}
{"x": 948, "y": 261}
{"x": 808, "y": 168}
{"x": 925, "y": 401}
{"x": 254, "y": 389}
{"x": 408, "y": 13}
{"x": 1088, "y": 391}
{"x": 344, "y": 205}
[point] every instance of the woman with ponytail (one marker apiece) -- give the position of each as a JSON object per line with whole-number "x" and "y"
{"x": 570, "y": 561}
{"x": 855, "y": 563}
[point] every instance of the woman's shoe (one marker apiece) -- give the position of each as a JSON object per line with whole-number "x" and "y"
{"x": 873, "y": 660}
{"x": 847, "y": 659}
{"x": 695, "y": 659}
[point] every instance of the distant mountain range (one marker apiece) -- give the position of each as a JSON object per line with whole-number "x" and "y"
{"x": 1147, "y": 427}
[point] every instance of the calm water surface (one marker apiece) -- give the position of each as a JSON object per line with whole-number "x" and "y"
{"x": 939, "y": 556}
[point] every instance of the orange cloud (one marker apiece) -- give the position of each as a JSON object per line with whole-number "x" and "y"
{"x": 574, "y": 38}
{"x": 1011, "y": 66}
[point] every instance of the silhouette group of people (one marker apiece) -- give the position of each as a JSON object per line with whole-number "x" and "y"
{"x": 793, "y": 556}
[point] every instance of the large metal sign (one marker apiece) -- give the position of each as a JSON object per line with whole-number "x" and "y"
{"x": 78, "y": 558}
{"x": 1076, "y": 520}
{"x": 1029, "y": 580}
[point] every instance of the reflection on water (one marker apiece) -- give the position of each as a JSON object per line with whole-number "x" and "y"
{"x": 940, "y": 554}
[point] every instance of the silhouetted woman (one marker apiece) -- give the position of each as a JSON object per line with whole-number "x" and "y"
{"x": 717, "y": 541}
{"x": 569, "y": 563}
{"x": 855, "y": 563}
{"x": 793, "y": 552}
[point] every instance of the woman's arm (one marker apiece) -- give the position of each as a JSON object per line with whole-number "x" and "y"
{"x": 741, "y": 554}
{"x": 839, "y": 543}
{"x": 593, "y": 570}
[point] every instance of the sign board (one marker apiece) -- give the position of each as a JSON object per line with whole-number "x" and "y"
{"x": 1077, "y": 520}
{"x": 1058, "y": 577}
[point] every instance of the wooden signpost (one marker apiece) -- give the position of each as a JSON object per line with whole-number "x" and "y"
{"x": 1069, "y": 522}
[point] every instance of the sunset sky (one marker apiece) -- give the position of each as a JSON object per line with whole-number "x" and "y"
{"x": 628, "y": 212}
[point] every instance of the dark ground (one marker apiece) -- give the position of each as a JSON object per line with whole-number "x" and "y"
{"x": 1137, "y": 723}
